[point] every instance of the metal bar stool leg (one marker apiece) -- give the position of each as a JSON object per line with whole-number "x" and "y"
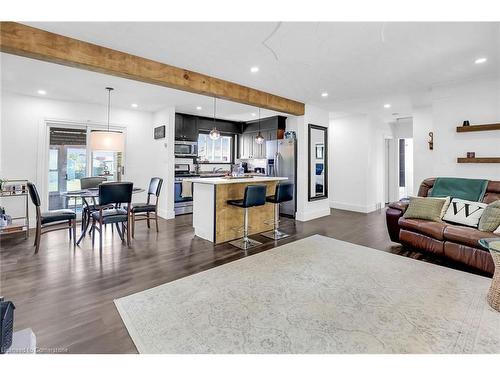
{"x": 246, "y": 242}
{"x": 276, "y": 234}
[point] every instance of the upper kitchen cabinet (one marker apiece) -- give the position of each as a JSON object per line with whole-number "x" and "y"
{"x": 186, "y": 127}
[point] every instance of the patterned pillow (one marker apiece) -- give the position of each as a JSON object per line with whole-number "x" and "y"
{"x": 424, "y": 208}
{"x": 490, "y": 220}
{"x": 464, "y": 212}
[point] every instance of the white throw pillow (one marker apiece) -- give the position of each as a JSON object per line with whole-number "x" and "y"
{"x": 464, "y": 212}
{"x": 497, "y": 231}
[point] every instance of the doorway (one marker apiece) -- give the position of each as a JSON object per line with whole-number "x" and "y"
{"x": 405, "y": 167}
{"x": 70, "y": 159}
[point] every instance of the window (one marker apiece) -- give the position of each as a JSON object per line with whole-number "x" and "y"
{"x": 107, "y": 164}
{"x": 53, "y": 173}
{"x": 215, "y": 151}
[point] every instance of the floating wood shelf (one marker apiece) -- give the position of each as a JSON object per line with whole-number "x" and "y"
{"x": 478, "y": 160}
{"x": 477, "y": 128}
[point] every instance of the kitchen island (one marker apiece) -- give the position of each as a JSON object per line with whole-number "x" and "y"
{"x": 216, "y": 221}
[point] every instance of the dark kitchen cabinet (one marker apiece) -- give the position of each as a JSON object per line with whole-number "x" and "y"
{"x": 186, "y": 127}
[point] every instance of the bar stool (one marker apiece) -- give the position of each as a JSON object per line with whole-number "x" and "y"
{"x": 283, "y": 193}
{"x": 255, "y": 195}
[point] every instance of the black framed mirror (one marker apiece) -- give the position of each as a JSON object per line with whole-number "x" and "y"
{"x": 318, "y": 162}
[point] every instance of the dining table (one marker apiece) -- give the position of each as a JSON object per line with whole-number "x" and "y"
{"x": 89, "y": 199}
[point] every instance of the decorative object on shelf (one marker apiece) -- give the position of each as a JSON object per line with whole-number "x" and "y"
{"x": 290, "y": 134}
{"x": 259, "y": 139}
{"x": 159, "y": 132}
{"x": 14, "y": 189}
{"x": 214, "y": 133}
{"x": 107, "y": 140}
{"x": 471, "y": 155}
{"x": 6, "y": 324}
{"x": 466, "y": 123}
{"x": 431, "y": 141}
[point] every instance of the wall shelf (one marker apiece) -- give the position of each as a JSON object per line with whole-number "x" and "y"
{"x": 479, "y": 160}
{"x": 477, "y": 128}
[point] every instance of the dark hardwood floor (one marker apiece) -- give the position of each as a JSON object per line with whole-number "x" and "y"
{"x": 66, "y": 295}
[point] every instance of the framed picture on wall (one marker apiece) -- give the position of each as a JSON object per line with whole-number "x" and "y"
{"x": 159, "y": 132}
{"x": 319, "y": 150}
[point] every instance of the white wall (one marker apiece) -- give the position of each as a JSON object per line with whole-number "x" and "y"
{"x": 24, "y": 140}
{"x": 478, "y": 102}
{"x": 307, "y": 210}
{"x": 357, "y": 166}
{"x": 162, "y": 151}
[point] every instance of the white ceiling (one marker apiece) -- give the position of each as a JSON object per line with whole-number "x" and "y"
{"x": 26, "y": 76}
{"x": 299, "y": 60}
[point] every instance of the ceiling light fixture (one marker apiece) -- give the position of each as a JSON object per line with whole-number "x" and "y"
{"x": 254, "y": 69}
{"x": 42, "y": 92}
{"x": 214, "y": 133}
{"x": 198, "y": 108}
{"x": 107, "y": 140}
{"x": 481, "y": 60}
{"x": 324, "y": 94}
{"x": 254, "y": 114}
{"x": 387, "y": 106}
{"x": 259, "y": 139}
{"x": 134, "y": 105}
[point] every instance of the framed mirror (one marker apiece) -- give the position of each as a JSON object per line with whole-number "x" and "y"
{"x": 318, "y": 162}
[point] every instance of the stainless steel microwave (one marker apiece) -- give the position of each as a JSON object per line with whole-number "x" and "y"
{"x": 186, "y": 149}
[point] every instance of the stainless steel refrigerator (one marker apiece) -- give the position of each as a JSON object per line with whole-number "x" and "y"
{"x": 281, "y": 157}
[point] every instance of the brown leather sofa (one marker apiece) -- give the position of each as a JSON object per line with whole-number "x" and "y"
{"x": 455, "y": 242}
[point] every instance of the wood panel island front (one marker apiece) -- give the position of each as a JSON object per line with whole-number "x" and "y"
{"x": 215, "y": 220}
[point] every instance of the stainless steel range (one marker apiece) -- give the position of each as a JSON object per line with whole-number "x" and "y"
{"x": 182, "y": 205}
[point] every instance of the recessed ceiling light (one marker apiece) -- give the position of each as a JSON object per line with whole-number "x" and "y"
{"x": 198, "y": 108}
{"x": 133, "y": 105}
{"x": 387, "y": 106}
{"x": 42, "y": 92}
{"x": 324, "y": 94}
{"x": 254, "y": 114}
{"x": 254, "y": 69}
{"x": 481, "y": 60}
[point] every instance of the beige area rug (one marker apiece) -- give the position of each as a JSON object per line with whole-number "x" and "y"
{"x": 316, "y": 295}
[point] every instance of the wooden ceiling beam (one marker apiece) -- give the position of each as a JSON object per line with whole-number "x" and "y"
{"x": 22, "y": 40}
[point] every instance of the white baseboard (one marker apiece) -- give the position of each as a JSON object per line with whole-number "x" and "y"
{"x": 310, "y": 215}
{"x": 166, "y": 214}
{"x": 353, "y": 207}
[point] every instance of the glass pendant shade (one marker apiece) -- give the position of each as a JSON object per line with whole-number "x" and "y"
{"x": 101, "y": 140}
{"x": 107, "y": 140}
{"x": 214, "y": 134}
{"x": 259, "y": 139}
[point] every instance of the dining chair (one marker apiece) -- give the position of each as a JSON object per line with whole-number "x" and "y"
{"x": 89, "y": 183}
{"x": 51, "y": 220}
{"x": 116, "y": 194}
{"x": 144, "y": 211}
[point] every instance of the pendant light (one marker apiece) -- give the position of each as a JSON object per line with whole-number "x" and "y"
{"x": 214, "y": 133}
{"x": 107, "y": 140}
{"x": 259, "y": 139}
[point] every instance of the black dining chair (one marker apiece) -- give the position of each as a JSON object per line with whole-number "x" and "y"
{"x": 255, "y": 195}
{"x": 51, "y": 220}
{"x": 143, "y": 211}
{"x": 116, "y": 194}
{"x": 89, "y": 183}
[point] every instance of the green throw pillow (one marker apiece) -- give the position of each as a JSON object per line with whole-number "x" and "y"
{"x": 424, "y": 208}
{"x": 490, "y": 220}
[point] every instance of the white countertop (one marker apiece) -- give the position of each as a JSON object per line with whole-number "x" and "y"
{"x": 221, "y": 180}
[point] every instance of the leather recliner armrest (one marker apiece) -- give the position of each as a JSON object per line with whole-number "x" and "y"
{"x": 393, "y": 213}
{"x": 401, "y": 205}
